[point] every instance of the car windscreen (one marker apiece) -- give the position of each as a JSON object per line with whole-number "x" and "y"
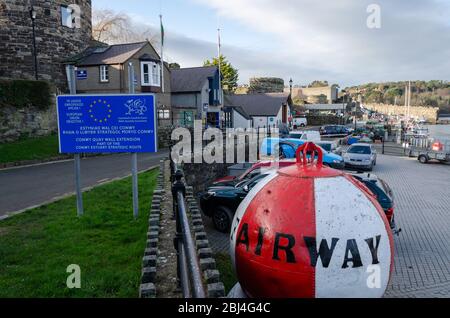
{"x": 296, "y": 136}
{"x": 387, "y": 189}
{"x": 327, "y": 147}
{"x": 361, "y": 150}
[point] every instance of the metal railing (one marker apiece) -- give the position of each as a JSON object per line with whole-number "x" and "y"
{"x": 188, "y": 269}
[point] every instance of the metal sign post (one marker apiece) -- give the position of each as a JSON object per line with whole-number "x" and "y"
{"x": 134, "y": 168}
{"x": 77, "y": 159}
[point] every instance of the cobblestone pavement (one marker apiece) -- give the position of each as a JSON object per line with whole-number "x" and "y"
{"x": 422, "y": 207}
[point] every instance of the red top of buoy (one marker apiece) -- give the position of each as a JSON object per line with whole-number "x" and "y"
{"x": 309, "y": 164}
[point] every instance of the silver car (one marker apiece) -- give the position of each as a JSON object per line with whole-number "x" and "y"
{"x": 360, "y": 156}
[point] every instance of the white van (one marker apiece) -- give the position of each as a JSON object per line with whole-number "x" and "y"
{"x": 313, "y": 136}
{"x": 299, "y": 122}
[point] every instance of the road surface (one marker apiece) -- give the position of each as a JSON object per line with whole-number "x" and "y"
{"x": 22, "y": 188}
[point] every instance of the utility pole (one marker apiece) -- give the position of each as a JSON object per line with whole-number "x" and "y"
{"x": 134, "y": 166}
{"x": 70, "y": 69}
{"x": 409, "y": 101}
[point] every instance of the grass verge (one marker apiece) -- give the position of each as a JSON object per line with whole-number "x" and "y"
{"x": 36, "y": 247}
{"x": 25, "y": 149}
{"x": 226, "y": 270}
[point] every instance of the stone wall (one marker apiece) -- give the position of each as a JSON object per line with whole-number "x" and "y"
{"x": 29, "y": 121}
{"x": 54, "y": 42}
{"x": 266, "y": 85}
{"x": 159, "y": 268}
{"x": 201, "y": 175}
{"x": 429, "y": 113}
{"x": 164, "y": 137}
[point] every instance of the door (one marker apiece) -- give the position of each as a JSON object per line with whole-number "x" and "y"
{"x": 284, "y": 120}
{"x": 213, "y": 120}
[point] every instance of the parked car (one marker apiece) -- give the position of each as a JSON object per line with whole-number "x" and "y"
{"x": 312, "y": 135}
{"x": 221, "y": 202}
{"x": 360, "y": 156}
{"x": 382, "y": 192}
{"x": 330, "y": 146}
{"x": 288, "y": 147}
{"x": 253, "y": 171}
{"x": 334, "y": 130}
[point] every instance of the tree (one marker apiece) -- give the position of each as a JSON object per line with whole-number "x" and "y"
{"x": 174, "y": 66}
{"x": 229, "y": 73}
{"x": 113, "y": 28}
{"x": 318, "y": 84}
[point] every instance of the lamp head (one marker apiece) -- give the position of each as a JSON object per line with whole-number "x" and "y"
{"x": 32, "y": 13}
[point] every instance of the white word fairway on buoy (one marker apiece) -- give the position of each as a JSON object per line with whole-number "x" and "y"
{"x": 310, "y": 231}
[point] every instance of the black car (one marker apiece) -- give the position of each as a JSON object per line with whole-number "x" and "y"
{"x": 334, "y": 130}
{"x": 382, "y": 192}
{"x": 221, "y": 202}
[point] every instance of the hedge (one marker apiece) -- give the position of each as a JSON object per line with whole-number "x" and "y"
{"x": 25, "y": 93}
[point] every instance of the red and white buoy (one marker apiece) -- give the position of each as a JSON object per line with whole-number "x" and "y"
{"x": 311, "y": 231}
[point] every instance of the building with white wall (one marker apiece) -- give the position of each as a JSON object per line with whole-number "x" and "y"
{"x": 258, "y": 110}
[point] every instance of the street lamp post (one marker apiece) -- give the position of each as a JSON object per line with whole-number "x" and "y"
{"x": 343, "y": 108}
{"x": 33, "y": 18}
{"x": 290, "y": 85}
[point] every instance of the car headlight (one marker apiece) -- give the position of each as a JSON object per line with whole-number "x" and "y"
{"x": 336, "y": 161}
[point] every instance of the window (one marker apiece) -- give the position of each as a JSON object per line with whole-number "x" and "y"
{"x": 67, "y": 18}
{"x": 104, "y": 73}
{"x": 163, "y": 114}
{"x": 150, "y": 74}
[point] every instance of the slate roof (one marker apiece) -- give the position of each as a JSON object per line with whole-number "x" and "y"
{"x": 189, "y": 80}
{"x": 239, "y": 110}
{"x": 113, "y": 54}
{"x": 259, "y": 104}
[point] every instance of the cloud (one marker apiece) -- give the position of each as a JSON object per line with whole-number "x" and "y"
{"x": 332, "y": 37}
{"x": 189, "y": 52}
{"x": 325, "y": 40}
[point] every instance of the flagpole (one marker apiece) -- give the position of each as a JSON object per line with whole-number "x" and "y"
{"x": 162, "y": 54}
{"x": 220, "y": 69}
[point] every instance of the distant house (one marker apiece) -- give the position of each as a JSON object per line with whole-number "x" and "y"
{"x": 196, "y": 94}
{"x": 258, "y": 110}
{"x": 104, "y": 69}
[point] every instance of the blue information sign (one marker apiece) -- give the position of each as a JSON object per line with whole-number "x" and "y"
{"x": 107, "y": 123}
{"x": 81, "y": 74}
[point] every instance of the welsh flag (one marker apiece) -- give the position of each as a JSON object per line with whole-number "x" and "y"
{"x": 162, "y": 31}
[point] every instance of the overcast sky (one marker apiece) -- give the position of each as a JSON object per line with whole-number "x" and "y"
{"x": 305, "y": 40}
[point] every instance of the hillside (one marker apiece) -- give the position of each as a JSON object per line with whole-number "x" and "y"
{"x": 432, "y": 93}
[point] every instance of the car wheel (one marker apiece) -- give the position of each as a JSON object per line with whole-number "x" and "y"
{"x": 222, "y": 219}
{"x": 371, "y": 167}
{"x": 302, "y": 125}
{"x": 423, "y": 159}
